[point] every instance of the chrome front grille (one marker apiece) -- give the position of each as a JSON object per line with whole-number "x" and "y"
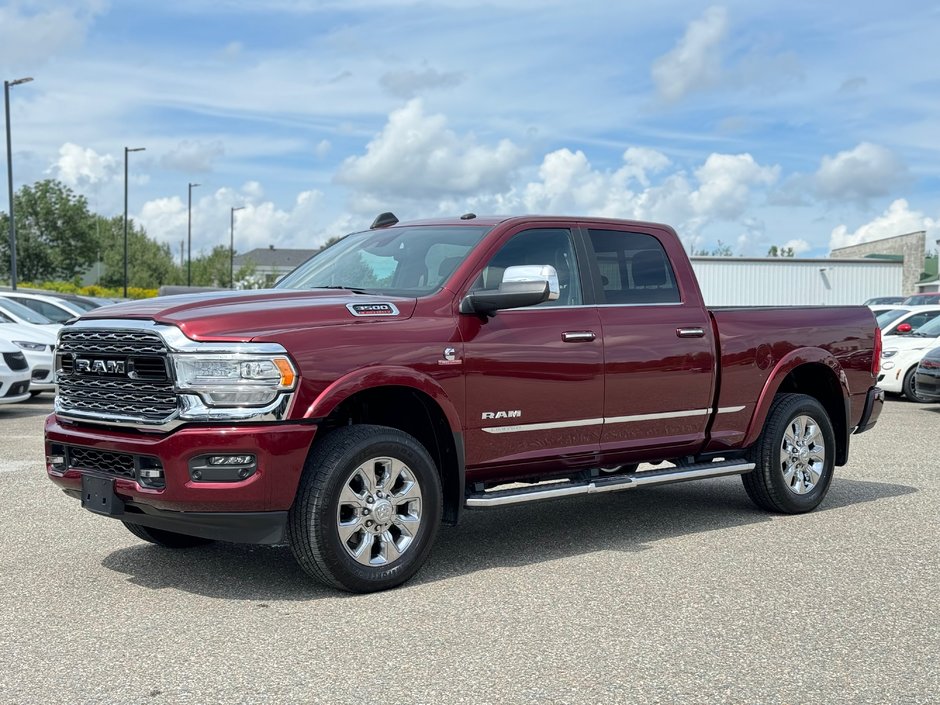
{"x": 114, "y": 375}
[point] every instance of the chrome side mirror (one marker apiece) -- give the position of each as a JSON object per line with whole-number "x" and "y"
{"x": 532, "y": 274}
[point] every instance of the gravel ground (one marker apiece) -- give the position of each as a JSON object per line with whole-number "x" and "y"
{"x": 682, "y": 593}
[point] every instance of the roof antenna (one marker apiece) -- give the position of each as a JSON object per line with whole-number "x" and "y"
{"x": 468, "y": 216}
{"x": 383, "y": 220}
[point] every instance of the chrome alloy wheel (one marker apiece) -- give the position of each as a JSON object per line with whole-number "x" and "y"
{"x": 379, "y": 511}
{"x": 802, "y": 455}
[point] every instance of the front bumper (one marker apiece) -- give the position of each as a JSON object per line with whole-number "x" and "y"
{"x": 874, "y": 402}
{"x": 280, "y": 451}
{"x": 14, "y": 386}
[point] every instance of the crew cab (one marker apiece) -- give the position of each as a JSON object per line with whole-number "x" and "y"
{"x": 414, "y": 371}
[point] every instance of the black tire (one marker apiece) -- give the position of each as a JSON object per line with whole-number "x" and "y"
{"x": 766, "y": 484}
{"x": 910, "y": 387}
{"x": 313, "y": 523}
{"x": 166, "y": 539}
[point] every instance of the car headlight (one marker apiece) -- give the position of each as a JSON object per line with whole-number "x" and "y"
{"x": 27, "y": 345}
{"x": 234, "y": 380}
{"x": 888, "y": 353}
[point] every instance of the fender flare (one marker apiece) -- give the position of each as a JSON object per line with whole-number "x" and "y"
{"x": 784, "y": 366}
{"x": 382, "y": 376}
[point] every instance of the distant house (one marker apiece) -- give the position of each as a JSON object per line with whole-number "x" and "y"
{"x": 272, "y": 263}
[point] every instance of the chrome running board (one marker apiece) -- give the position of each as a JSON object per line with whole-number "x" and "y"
{"x": 614, "y": 483}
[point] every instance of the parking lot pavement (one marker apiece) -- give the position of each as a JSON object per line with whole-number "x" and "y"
{"x": 683, "y": 593}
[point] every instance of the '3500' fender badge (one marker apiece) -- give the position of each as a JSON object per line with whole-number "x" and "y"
{"x": 450, "y": 358}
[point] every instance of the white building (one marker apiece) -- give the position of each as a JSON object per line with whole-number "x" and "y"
{"x": 791, "y": 281}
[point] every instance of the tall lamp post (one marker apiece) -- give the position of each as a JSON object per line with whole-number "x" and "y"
{"x": 189, "y": 238}
{"x": 232, "y": 248}
{"x": 127, "y": 150}
{"x": 6, "y": 99}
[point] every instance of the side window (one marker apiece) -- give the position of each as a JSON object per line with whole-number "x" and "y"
{"x": 550, "y": 246}
{"x": 634, "y": 268}
{"x": 53, "y": 313}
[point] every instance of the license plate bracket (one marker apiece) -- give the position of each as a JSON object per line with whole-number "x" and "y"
{"x": 98, "y": 496}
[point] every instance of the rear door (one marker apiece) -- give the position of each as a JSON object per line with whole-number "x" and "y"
{"x": 659, "y": 367}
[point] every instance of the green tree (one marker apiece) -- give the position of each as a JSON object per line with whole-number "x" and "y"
{"x": 214, "y": 268}
{"x": 55, "y": 233}
{"x": 775, "y": 251}
{"x": 149, "y": 263}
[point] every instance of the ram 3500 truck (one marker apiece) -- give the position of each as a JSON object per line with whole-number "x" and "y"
{"x": 413, "y": 371}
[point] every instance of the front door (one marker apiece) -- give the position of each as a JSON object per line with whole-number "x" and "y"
{"x": 534, "y": 375}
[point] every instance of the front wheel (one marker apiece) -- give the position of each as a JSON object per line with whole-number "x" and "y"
{"x": 367, "y": 510}
{"x": 910, "y": 387}
{"x": 793, "y": 457}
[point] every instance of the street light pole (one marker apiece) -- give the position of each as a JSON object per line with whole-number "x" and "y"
{"x": 126, "y": 151}
{"x": 6, "y": 101}
{"x": 189, "y": 238}
{"x": 232, "y": 249}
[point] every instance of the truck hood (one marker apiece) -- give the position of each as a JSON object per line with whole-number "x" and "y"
{"x": 243, "y": 316}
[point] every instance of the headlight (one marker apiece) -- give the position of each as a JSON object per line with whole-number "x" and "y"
{"x": 888, "y": 353}
{"x": 234, "y": 380}
{"x": 26, "y": 345}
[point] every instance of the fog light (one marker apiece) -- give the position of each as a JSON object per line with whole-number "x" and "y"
{"x": 231, "y": 459}
{"x": 56, "y": 460}
{"x": 222, "y": 468}
{"x": 887, "y": 365}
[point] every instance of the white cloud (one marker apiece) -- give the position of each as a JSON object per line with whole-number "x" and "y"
{"x": 193, "y": 156}
{"x": 416, "y": 156}
{"x": 31, "y": 35}
{"x": 867, "y": 171}
{"x": 80, "y": 167}
{"x": 725, "y": 184}
{"x": 799, "y": 246}
{"x": 260, "y": 223}
{"x": 567, "y": 183}
{"x": 695, "y": 62}
{"x": 898, "y": 219}
{"x": 323, "y": 148}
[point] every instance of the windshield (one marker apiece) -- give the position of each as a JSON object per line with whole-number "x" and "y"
{"x": 83, "y": 305}
{"x": 407, "y": 261}
{"x": 20, "y": 311}
{"x": 929, "y": 330}
{"x": 883, "y": 319}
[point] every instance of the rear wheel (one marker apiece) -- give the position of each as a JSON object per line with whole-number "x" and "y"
{"x": 367, "y": 510}
{"x": 793, "y": 457}
{"x": 166, "y": 539}
{"x": 910, "y": 387}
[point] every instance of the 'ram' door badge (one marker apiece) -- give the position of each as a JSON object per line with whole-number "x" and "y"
{"x": 450, "y": 357}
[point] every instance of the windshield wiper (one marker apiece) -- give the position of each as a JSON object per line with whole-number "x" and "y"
{"x": 354, "y": 289}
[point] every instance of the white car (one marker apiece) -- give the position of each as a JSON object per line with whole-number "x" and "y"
{"x": 904, "y": 320}
{"x": 55, "y": 309}
{"x": 901, "y": 356}
{"x": 13, "y": 312}
{"x": 14, "y": 374}
{"x": 38, "y": 346}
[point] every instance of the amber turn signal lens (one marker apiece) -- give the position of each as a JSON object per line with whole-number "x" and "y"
{"x": 287, "y": 371}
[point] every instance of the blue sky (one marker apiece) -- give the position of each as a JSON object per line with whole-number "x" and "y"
{"x": 800, "y": 123}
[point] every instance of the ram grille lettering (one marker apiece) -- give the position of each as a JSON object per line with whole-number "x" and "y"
{"x": 100, "y": 367}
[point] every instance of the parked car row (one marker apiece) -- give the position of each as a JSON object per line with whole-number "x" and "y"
{"x": 27, "y": 342}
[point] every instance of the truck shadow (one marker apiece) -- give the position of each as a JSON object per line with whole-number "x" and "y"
{"x": 485, "y": 539}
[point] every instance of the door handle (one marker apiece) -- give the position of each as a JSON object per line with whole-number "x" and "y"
{"x": 690, "y": 332}
{"x": 578, "y": 336}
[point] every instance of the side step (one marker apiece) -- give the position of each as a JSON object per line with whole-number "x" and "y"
{"x": 534, "y": 493}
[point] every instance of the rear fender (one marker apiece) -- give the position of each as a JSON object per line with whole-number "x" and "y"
{"x": 785, "y": 366}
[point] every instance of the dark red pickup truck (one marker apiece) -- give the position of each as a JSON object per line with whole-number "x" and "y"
{"x": 412, "y": 371}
